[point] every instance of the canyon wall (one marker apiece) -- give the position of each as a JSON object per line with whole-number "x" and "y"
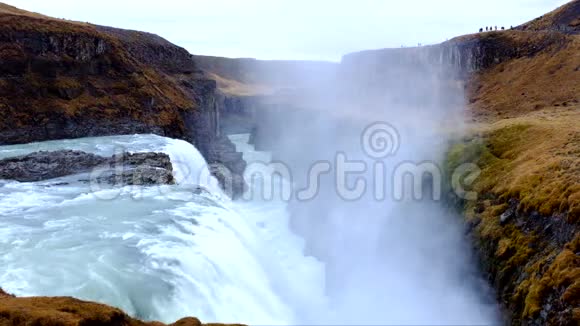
{"x": 61, "y": 79}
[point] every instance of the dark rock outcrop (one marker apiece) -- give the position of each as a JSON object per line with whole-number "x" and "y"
{"x": 139, "y": 169}
{"x": 48, "y": 165}
{"x": 530, "y": 260}
{"x": 238, "y": 113}
{"x": 125, "y": 169}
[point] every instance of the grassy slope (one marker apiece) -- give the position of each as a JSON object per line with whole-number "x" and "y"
{"x": 565, "y": 16}
{"x": 545, "y": 81}
{"x": 534, "y": 158}
{"x": 236, "y": 88}
{"x": 528, "y": 111}
{"x": 65, "y": 311}
{"x": 525, "y": 137}
{"x": 8, "y": 9}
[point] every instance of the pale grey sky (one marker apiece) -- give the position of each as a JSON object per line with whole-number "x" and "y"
{"x": 296, "y": 29}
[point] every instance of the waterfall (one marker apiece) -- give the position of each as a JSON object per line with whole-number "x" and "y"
{"x": 167, "y": 252}
{"x": 157, "y": 252}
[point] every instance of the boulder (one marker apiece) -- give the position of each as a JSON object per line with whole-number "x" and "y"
{"x": 124, "y": 169}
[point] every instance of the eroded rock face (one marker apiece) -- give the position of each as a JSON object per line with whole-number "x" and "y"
{"x": 458, "y": 57}
{"x": 234, "y": 185}
{"x": 62, "y": 80}
{"x": 528, "y": 249}
{"x": 125, "y": 169}
{"x": 48, "y": 165}
{"x": 140, "y": 169}
{"x": 67, "y": 80}
{"x": 530, "y": 260}
{"x": 237, "y": 113}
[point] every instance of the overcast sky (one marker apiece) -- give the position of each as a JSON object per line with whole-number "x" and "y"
{"x": 296, "y": 29}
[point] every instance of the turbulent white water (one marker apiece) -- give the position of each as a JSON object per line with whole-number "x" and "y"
{"x": 166, "y": 252}
{"x": 159, "y": 253}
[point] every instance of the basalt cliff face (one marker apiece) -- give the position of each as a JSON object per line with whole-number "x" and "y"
{"x": 61, "y": 79}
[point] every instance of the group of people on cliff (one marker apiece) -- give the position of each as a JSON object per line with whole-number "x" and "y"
{"x": 492, "y": 28}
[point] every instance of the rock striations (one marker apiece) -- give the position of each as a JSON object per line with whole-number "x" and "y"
{"x": 61, "y": 79}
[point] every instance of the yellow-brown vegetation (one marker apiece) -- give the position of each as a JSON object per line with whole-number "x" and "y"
{"x": 71, "y": 83}
{"x": 237, "y": 88}
{"x": 548, "y": 80}
{"x": 524, "y": 134}
{"x": 66, "y": 311}
{"x": 535, "y": 159}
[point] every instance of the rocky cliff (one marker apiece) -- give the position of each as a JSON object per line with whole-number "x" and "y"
{"x": 459, "y": 57}
{"x": 270, "y": 73}
{"x": 469, "y": 54}
{"x": 61, "y": 79}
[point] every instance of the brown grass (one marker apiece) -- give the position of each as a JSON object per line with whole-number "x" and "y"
{"x": 549, "y": 79}
{"x": 18, "y": 19}
{"x": 533, "y": 158}
{"x": 10, "y": 10}
{"x": 66, "y": 311}
{"x": 237, "y": 88}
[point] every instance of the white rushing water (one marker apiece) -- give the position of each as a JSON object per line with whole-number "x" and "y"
{"x": 167, "y": 252}
{"x": 157, "y": 252}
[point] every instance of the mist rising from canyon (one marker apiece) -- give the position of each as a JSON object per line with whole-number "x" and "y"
{"x": 390, "y": 258}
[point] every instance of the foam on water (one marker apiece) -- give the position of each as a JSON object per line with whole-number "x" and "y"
{"x": 159, "y": 253}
